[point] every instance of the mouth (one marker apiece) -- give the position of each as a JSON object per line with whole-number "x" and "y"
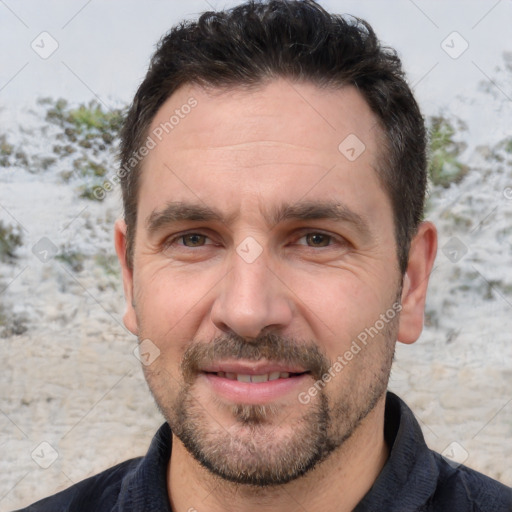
{"x": 252, "y": 383}
{"x": 256, "y": 378}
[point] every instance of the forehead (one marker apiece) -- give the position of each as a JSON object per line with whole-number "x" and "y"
{"x": 279, "y": 141}
{"x": 325, "y": 115}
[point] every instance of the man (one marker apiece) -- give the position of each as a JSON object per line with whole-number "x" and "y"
{"x": 273, "y": 251}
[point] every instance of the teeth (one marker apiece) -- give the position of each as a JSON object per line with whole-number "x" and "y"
{"x": 260, "y": 378}
{"x": 254, "y": 378}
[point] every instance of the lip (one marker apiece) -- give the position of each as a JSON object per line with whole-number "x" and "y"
{"x": 253, "y": 393}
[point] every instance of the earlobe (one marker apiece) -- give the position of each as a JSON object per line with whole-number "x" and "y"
{"x": 421, "y": 260}
{"x": 130, "y": 319}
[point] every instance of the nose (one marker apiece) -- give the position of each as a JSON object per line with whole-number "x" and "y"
{"x": 252, "y": 298}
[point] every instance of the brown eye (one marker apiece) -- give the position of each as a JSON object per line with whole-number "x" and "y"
{"x": 193, "y": 240}
{"x": 318, "y": 240}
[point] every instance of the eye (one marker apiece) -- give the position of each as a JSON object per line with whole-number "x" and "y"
{"x": 193, "y": 239}
{"x": 316, "y": 239}
{"x": 186, "y": 240}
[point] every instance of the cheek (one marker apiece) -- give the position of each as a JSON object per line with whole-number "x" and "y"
{"x": 171, "y": 304}
{"x": 338, "y": 307}
{"x": 337, "y": 296}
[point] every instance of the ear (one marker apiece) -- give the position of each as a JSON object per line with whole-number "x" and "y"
{"x": 421, "y": 260}
{"x": 130, "y": 319}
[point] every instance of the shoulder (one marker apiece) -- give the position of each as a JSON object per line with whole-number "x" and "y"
{"x": 98, "y": 493}
{"x": 464, "y": 486}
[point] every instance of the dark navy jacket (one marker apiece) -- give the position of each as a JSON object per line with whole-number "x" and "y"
{"x": 414, "y": 479}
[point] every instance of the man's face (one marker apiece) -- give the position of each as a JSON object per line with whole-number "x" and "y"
{"x": 262, "y": 251}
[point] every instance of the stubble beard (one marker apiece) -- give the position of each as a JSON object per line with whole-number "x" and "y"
{"x": 262, "y": 448}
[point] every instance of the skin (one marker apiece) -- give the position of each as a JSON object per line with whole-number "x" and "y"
{"x": 247, "y": 153}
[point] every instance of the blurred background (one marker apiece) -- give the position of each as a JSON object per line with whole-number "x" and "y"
{"x": 73, "y": 400}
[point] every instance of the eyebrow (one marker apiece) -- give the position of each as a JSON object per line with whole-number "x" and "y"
{"x": 305, "y": 210}
{"x": 180, "y": 211}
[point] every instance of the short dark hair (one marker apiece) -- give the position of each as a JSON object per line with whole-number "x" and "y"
{"x": 296, "y": 39}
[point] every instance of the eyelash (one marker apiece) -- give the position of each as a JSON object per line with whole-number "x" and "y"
{"x": 332, "y": 239}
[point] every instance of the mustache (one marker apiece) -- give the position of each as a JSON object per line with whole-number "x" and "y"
{"x": 268, "y": 346}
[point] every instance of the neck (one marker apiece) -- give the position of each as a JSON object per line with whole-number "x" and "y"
{"x": 336, "y": 484}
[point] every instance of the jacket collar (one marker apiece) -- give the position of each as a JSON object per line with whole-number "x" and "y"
{"x": 409, "y": 477}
